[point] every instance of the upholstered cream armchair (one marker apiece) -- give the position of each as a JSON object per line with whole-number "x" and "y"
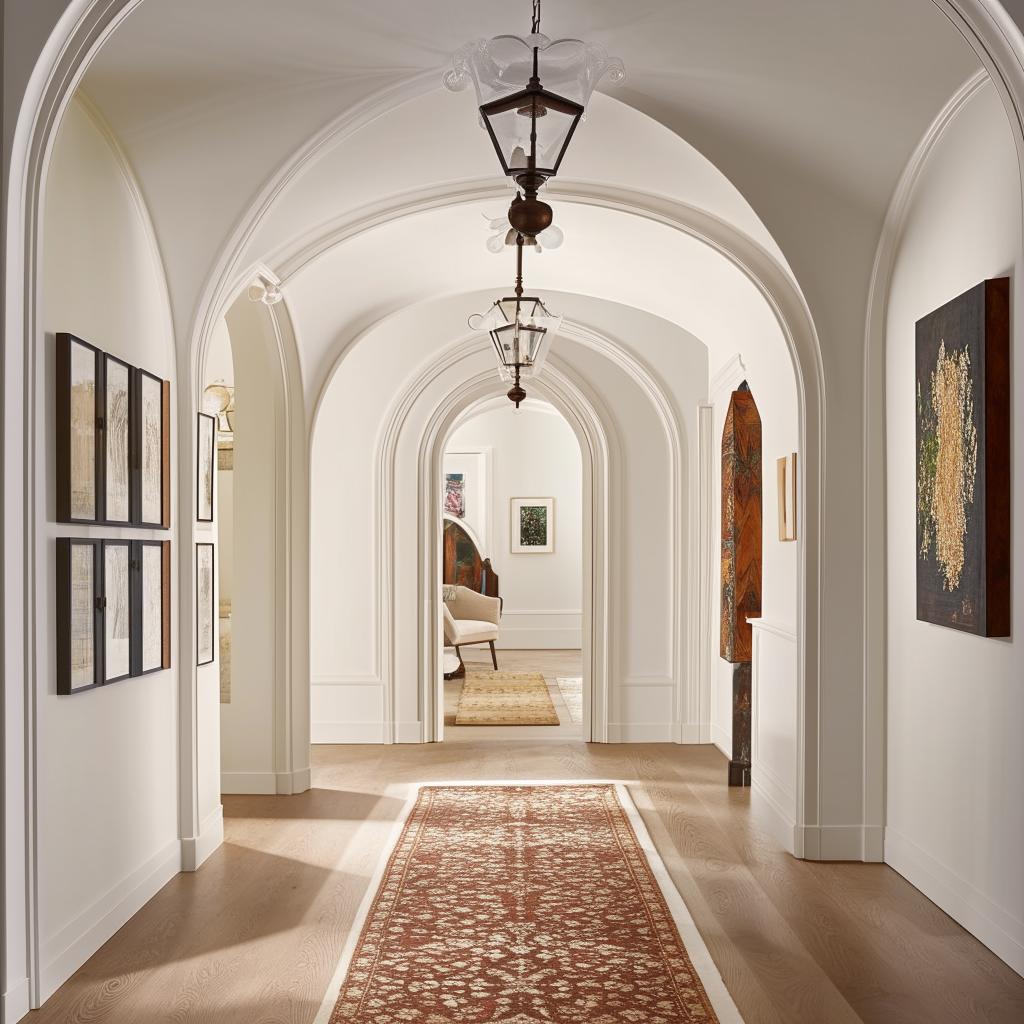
{"x": 471, "y": 618}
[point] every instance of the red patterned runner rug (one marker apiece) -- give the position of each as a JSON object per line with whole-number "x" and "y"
{"x": 526, "y": 904}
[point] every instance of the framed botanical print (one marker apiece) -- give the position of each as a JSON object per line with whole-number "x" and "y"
{"x": 151, "y": 605}
{"x": 79, "y": 412}
{"x": 532, "y": 529}
{"x": 152, "y": 490}
{"x": 117, "y": 610}
{"x": 206, "y": 622}
{"x": 79, "y": 615}
{"x": 117, "y": 454}
{"x": 206, "y": 437}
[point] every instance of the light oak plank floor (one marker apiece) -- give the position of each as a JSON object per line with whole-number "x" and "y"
{"x": 253, "y": 937}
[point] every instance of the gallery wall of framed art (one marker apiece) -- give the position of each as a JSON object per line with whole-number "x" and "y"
{"x": 113, "y": 439}
{"x": 113, "y": 469}
{"x": 113, "y": 610}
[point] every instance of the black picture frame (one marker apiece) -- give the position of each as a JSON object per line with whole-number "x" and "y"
{"x": 203, "y": 550}
{"x": 141, "y": 609}
{"x": 118, "y": 611}
{"x": 72, "y": 350}
{"x": 144, "y": 476}
{"x": 107, "y": 430}
{"x": 205, "y": 481}
{"x": 69, "y": 607}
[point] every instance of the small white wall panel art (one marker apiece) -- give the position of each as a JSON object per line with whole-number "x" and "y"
{"x": 786, "y": 473}
{"x": 532, "y": 529}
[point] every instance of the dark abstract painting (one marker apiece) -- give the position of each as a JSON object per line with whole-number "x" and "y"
{"x": 963, "y": 462}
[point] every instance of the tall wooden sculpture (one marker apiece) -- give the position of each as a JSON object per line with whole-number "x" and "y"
{"x": 741, "y": 563}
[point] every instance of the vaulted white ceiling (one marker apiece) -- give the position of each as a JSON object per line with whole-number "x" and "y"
{"x": 809, "y": 108}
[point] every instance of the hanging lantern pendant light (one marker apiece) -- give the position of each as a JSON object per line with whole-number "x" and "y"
{"x": 521, "y": 328}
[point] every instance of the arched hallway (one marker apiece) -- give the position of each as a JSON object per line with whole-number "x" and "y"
{"x": 182, "y": 182}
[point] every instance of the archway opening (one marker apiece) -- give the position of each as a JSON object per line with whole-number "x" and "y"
{"x": 513, "y": 552}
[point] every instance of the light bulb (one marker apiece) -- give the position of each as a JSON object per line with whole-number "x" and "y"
{"x": 518, "y": 159}
{"x": 496, "y": 243}
{"x": 551, "y": 237}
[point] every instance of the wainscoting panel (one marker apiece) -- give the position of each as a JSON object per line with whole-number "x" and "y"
{"x": 773, "y": 733}
{"x": 541, "y": 630}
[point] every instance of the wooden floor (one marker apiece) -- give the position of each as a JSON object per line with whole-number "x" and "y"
{"x": 254, "y": 936}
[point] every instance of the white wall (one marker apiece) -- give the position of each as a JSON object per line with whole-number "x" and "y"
{"x": 107, "y": 759}
{"x": 533, "y": 453}
{"x": 955, "y": 702}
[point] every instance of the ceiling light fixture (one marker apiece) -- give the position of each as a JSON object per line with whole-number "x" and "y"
{"x": 529, "y": 125}
{"x": 521, "y": 328}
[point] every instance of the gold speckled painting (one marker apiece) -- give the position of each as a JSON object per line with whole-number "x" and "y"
{"x": 963, "y": 472}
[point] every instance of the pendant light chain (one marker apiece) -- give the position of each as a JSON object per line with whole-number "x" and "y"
{"x": 536, "y": 17}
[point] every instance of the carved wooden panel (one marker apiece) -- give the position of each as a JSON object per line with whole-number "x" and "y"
{"x": 463, "y": 564}
{"x": 741, "y": 525}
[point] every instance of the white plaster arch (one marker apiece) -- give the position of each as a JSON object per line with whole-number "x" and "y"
{"x": 583, "y": 410}
{"x": 599, "y": 466}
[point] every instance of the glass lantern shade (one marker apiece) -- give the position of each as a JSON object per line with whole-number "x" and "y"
{"x": 501, "y": 69}
{"x": 512, "y": 123}
{"x": 519, "y": 341}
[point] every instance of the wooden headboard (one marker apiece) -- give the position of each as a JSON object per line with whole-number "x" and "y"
{"x": 463, "y": 563}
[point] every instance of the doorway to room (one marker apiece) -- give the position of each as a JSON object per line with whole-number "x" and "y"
{"x": 512, "y": 575}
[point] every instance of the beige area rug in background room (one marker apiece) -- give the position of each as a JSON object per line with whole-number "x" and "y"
{"x": 506, "y": 698}
{"x": 522, "y": 904}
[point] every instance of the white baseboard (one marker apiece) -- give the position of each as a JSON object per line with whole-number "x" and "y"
{"x": 14, "y": 1003}
{"x": 196, "y": 849}
{"x": 265, "y": 783}
{"x": 408, "y": 732}
{"x": 835, "y": 842}
{"x": 690, "y": 732}
{"x": 982, "y": 917}
{"x": 66, "y": 951}
{"x": 721, "y": 739}
{"x": 348, "y": 732}
{"x": 771, "y": 813}
{"x": 640, "y": 732}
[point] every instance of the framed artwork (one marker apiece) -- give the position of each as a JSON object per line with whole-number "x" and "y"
{"x": 79, "y": 413}
{"x": 117, "y": 610}
{"x": 117, "y": 447}
{"x": 206, "y": 437}
{"x": 455, "y": 495}
{"x": 151, "y": 605}
{"x": 79, "y": 615}
{"x": 152, "y": 484}
{"x": 206, "y": 622}
{"x": 962, "y": 392}
{"x": 786, "y": 474}
{"x": 532, "y": 530}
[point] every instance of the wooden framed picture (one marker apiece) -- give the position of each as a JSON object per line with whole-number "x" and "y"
{"x": 206, "y": 438}
{"x": 206, "y": 621}
{"x": 152, "y": 470}
{"x": 118, "y": 387}
{"x": 151, "y": 605}
{"x": 532, "y": 527}
{"x": 79, "y": 615}
{"x": 962, "y": 391}
{"x": 79, "y": 413}
{"x": 786, "y": 476}
{"x": 117, "y": 610}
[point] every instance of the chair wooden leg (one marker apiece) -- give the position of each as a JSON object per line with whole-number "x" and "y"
{"x": 494, "y": 656}
{"x": 460, "y": 672}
